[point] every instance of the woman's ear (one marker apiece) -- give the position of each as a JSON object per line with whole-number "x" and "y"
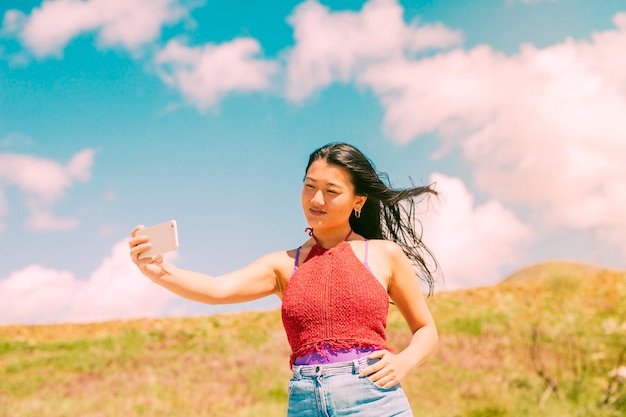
{"x": 360, "y": 202}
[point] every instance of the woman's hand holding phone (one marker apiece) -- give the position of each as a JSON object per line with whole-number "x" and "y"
{"x": 148, "y": 244}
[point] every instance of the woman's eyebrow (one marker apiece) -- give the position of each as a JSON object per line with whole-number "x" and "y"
{"x": 329, "y": 184}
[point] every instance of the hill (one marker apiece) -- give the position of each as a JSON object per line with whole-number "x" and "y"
{"x": 554, "y": 268}
{"x": 546, "y": 341}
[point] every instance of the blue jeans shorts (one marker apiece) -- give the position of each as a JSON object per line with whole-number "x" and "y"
{"x": 335, "y": 389}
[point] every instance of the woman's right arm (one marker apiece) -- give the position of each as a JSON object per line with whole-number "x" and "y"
{"x": 257, "y": 280}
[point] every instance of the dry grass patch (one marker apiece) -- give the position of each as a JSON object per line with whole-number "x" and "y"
{"x": 501, "y": 348}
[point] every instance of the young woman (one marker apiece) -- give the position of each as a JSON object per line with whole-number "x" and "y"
{"x": 336, "y": 288}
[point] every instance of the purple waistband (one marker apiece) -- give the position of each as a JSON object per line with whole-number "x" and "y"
{"x": 328, "y": 355}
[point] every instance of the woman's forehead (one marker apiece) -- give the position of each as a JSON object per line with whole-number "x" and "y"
{"x": 323, "y": 172}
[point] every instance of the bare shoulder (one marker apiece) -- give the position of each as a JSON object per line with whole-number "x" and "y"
{"x": 383, "y": 256}
{"x": 386, "y": 248}
{"x": 390, "y": 256}
{"x": 280, "y": 260}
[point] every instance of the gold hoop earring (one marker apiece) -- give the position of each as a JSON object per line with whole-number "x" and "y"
{"x": 357, "y": 213}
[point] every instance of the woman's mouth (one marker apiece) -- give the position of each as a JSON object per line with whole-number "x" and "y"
{"x": 317, "y": 212}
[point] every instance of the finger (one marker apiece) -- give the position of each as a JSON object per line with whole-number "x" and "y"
{"x": 372, "y": 369}
{"x": 136, "y": 229}
{"x": 378, "y": 380}
{"x": 376, "y": 377}
{"x": 137, "y": 240}
{"x": 386, "y": 383}
{"x": 139, "y": 244}
{"x": 378, "y": 354}
{"x": 138, "y": 249}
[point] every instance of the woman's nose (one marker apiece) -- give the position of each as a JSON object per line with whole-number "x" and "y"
{"x": 318, "y": 198}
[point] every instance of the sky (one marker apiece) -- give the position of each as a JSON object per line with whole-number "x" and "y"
{"x": 115, "y": 113}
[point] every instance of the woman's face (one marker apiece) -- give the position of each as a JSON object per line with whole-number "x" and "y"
{"x": 328, "y": 196}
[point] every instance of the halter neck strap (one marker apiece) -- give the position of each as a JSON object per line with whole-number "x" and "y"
{"x": 309, "y": 230}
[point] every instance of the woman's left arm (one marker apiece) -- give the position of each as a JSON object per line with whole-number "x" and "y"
{"x": 405, "y": 291}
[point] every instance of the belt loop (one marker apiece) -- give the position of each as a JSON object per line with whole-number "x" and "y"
{"x": 296, "y": 372}
{"x": 356, "y": 366}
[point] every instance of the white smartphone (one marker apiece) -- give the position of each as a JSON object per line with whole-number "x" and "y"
{"x": 163, "y": 237}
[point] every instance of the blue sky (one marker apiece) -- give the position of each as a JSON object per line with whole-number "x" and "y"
{"x": 116, "y": 113}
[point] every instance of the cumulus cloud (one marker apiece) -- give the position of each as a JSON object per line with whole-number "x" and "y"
{"x": 126, "y": 23}
{"x": 12, "y": 22}
{"x": 472, "y": 242}
{"x": 543, "y": 129}
{"x": 41, "y": 183}
{"x": 205, "y": 74}
{"x": 332, "y": 46}
{"x": 115, "y": 290}
{"x": 35, "y": 294}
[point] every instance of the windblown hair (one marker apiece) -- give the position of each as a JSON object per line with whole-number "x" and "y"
{"x": 388, "y": 213}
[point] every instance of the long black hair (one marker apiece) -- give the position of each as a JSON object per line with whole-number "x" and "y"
{"x": 388, "y": 213}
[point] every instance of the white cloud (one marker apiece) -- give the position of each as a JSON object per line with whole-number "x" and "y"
{"x": 35, "y": 294}
{"x": 205, "y": 74}
{"x": 12, "y": 22}
{"x": 126, "y": 23}
{"x": 41, "y": 218}
{"x": 79, "y": 167}
{"x": 544, "y": 129}
{"x": 472, "y": 242}
{"x": 332, "y": 46}
{"x": 16, "y": 139}
{"x": 115, "y": 290}
{"x": 42, "y": 182}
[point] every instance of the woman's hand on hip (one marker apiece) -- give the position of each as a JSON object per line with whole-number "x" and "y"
{"x": 388, "y": 371}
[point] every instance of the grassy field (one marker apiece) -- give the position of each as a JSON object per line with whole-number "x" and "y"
{"x": 547, "y": 341}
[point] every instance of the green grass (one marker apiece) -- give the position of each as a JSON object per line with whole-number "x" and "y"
{"x": 500, "y": 350}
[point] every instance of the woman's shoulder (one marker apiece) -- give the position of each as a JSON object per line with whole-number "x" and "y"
{"x": 285, "y": 259}
{"x": 382, "y": 251}
{"x": 281, "y": 257}
{"x": 385, "y": 246}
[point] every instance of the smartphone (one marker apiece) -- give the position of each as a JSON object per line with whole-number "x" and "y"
{"x": 163, "y": 237}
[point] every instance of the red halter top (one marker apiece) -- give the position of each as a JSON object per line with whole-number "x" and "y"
{"x": 334, "y": 301}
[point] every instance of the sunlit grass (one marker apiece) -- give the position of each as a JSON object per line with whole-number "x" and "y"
{"x": 500, "y": 348}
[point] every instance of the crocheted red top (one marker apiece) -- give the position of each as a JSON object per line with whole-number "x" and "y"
{"x": 333, "y": 300}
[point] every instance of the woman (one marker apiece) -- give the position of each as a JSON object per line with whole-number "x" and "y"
{"x": 335, "y": 288}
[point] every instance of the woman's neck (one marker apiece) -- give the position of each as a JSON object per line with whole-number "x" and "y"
{"x": 332, "y": 237}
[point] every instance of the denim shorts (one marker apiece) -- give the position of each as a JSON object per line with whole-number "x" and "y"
{"x": 336, "y": 389}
